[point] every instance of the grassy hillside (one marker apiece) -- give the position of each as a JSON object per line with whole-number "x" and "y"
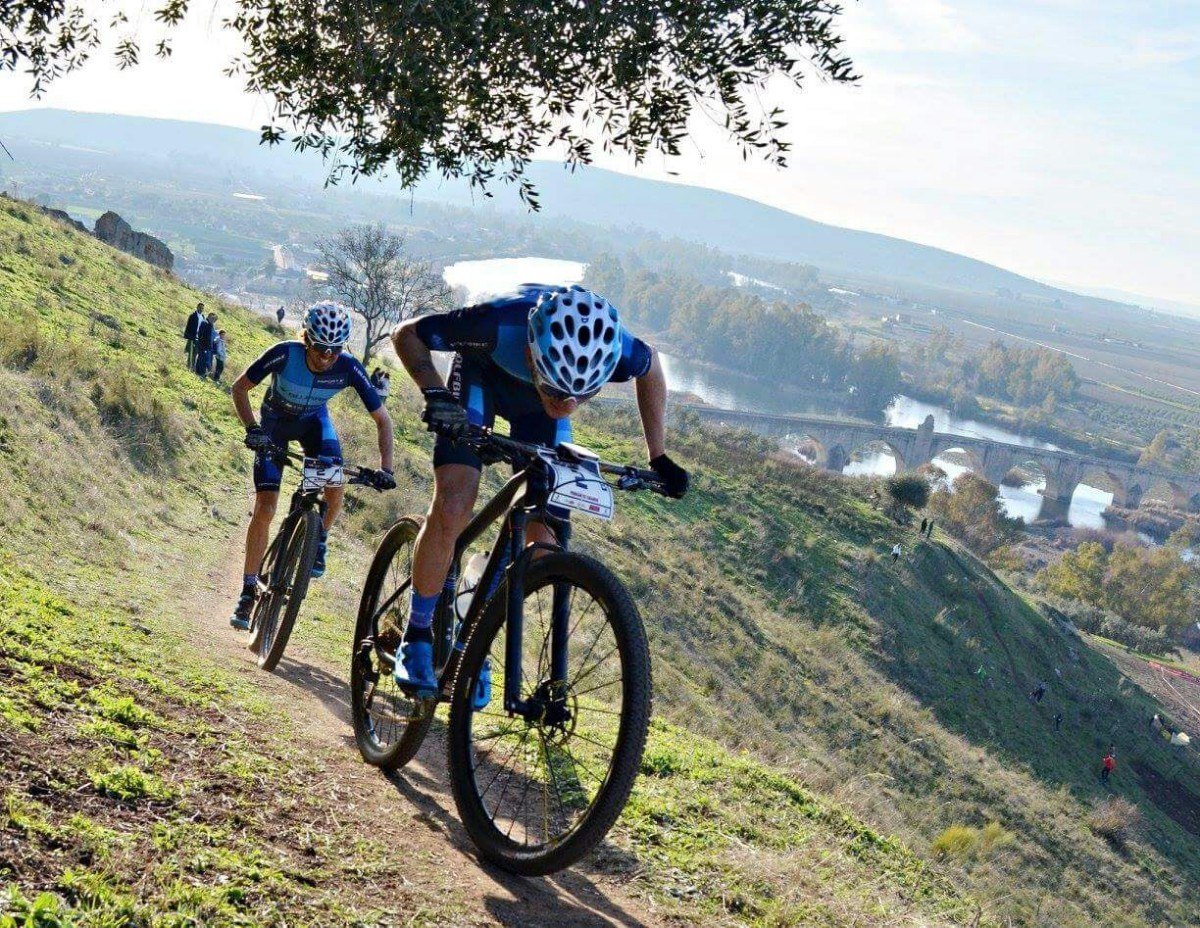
{"x": 824, "y": 751}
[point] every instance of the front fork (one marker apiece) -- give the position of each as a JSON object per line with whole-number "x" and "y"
{"x": 521, "y": 556}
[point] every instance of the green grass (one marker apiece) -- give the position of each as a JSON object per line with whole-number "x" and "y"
{"x": 819, "y": 724}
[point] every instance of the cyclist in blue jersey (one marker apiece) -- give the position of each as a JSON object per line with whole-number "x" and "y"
{"x": 532, "y": 358}
{"x": 305, "y": 375}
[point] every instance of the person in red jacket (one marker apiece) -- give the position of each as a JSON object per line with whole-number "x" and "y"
{"x": 1109, "y": 764}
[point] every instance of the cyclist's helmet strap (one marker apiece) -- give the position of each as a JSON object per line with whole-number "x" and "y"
{"x": 575, "y": 339}
{"x": 327, "y": 324}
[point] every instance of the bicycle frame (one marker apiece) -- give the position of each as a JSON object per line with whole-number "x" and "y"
{"x": 514, "y": 505}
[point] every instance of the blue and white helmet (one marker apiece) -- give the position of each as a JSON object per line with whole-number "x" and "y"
{"x": 575, "y": 339}
{"x": 327, "y": 324}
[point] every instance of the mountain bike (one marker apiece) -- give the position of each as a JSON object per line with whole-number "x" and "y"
{"x": 547, "y": 671}
{"x": 287, "y": 566}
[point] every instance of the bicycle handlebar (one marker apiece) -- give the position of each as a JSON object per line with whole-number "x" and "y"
{"x": 355, "y": 476}
{"x": 519, "y": 453}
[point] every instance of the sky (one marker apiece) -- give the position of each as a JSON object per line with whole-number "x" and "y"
{"x": 1055, "y": 138}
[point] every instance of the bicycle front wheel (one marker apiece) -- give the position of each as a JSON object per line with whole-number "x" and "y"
{"x": 389, "y": 725}
{"x": 288, "y": 585}
{"x": 537, "y": 791}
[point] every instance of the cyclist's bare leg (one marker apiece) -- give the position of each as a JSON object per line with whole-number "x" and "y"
{"x": 333, "y": 505}
{"x": 455, "y": 487}
{"x": 259, "y": 531}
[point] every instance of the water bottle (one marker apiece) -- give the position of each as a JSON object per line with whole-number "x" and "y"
{"x": 468, "y": 583}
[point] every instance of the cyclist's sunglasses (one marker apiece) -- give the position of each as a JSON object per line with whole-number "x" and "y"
{"x": 329, "y": 351}
{"x": 560, "y": 396}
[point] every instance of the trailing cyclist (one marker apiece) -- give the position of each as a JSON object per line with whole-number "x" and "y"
{"x": 532, "y": 358}
{"x": 305, "y": 375}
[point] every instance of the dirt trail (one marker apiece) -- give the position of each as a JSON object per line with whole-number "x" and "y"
{"x": 414, "y": 804}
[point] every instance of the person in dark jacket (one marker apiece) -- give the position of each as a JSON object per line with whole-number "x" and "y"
{"x": 190, "y": 329}
{"x": 206, "y": 336}
{"x": 279, "y": 314}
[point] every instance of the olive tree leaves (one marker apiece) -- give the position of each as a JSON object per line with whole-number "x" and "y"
{"x": 476, "y": 88}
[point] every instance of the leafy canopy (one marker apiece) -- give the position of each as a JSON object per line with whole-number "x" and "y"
{"x": 476, "y": 87}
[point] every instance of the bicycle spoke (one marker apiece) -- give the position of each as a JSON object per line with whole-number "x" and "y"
{"x": 599, "y": 663}
{"x": 600, "y": 687}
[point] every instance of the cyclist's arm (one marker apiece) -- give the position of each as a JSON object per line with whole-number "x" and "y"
{"x": 241, "y": 400}
{"x": 415, "y": 355}
{"x": 383, "y": 423}
{"x": 652, "y": 406}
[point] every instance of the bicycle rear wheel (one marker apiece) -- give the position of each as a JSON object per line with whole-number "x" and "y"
{"x": 389, "y": 725}
{"x": 537, "y": 793}
{"x": 297, "y": 552}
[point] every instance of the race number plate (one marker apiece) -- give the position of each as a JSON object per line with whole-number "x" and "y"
{"x": 579, "y": 486}
{"x": 318, "y": 473}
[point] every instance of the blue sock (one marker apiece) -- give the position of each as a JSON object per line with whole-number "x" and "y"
{"x": 249, "y": 581}
{"x": 420, "y": 617}
{"x": 324, "y": 535}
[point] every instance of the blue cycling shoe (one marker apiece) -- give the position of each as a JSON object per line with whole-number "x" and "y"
{"x": 318, "y": 567}
{"x": 483, "y": 687}
{"x": 241, "y": 613}
{"x": 414, "y": 670}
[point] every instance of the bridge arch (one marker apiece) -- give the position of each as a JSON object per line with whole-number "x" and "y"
{"x": 1105, "y": 480}
{"x": 1165, "y": 490}
{"x": 876, "y": 446}
{"x": 959, "y": 456}
{"x": 809, "y": 447}
{"x": 1027, "y": 472}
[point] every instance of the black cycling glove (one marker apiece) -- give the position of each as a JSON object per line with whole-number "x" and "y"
{"x": 256, "y": 439}
{"x": 443, "y": 414}
{"x": 383, "y": 480}
{"x": 675, "y": 479}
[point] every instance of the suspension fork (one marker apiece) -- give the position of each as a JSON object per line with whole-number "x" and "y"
{"x": 518, "y": 520}
{"x": 560, "y": 616}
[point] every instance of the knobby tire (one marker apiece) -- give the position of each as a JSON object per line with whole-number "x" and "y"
{"x": 389, "y": 726}
{"x": 470, "y": 756}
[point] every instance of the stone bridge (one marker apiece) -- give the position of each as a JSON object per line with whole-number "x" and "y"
{"x": 835, "y": 440}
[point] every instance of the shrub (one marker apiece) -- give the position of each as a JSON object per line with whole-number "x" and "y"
{"x": 1099, "y": 621}
{"x": 21, "y": 341}
{"x": 955, "y": 841}
{"x": 909, "y": 490}
{"x": 1115, "y": 820}
{"x": 961, "y": 841}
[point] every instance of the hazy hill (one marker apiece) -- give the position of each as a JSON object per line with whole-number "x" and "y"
{"x": 876, "y": 771}
{"x": 731, "y": 223}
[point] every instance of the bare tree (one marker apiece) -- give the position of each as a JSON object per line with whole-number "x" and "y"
{"x": 371, "y": 272}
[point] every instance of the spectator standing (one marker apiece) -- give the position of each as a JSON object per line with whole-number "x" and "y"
{"x": 1058, "y": 722}
{"x": 1037, "y": 694}
{"x": 205, "y": 337}
{"x": 1109, "y": 764}
{"x": 220, "y": 353}
{"x": 896, "y": 552}
{"x": 375, "y": 378}
{"x": 385, "y": 385}
{"x": 279, "y": 314}
{"x": 924, "y": 522}
{"x": 190, "y": 330}
{"x": 929, "y": 530}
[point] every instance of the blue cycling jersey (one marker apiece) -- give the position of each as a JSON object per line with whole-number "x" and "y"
{"x": 496, "y": 333}
{"x": 297, "y": 391}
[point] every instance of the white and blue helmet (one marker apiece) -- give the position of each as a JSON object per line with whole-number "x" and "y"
{"x": 575, "y": 339}
{"x": 327, "y": 324}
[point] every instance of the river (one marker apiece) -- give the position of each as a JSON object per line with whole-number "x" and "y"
{"x": 730, "y": 390}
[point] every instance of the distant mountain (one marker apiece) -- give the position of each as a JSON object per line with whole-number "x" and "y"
{"x": 732, "y": 223}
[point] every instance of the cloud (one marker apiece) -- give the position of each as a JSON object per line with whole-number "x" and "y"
{"x": 908, "y": 26}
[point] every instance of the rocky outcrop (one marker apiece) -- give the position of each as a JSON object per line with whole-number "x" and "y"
{"x": 114, "y": 230}
{"x": 63, "y": 217}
